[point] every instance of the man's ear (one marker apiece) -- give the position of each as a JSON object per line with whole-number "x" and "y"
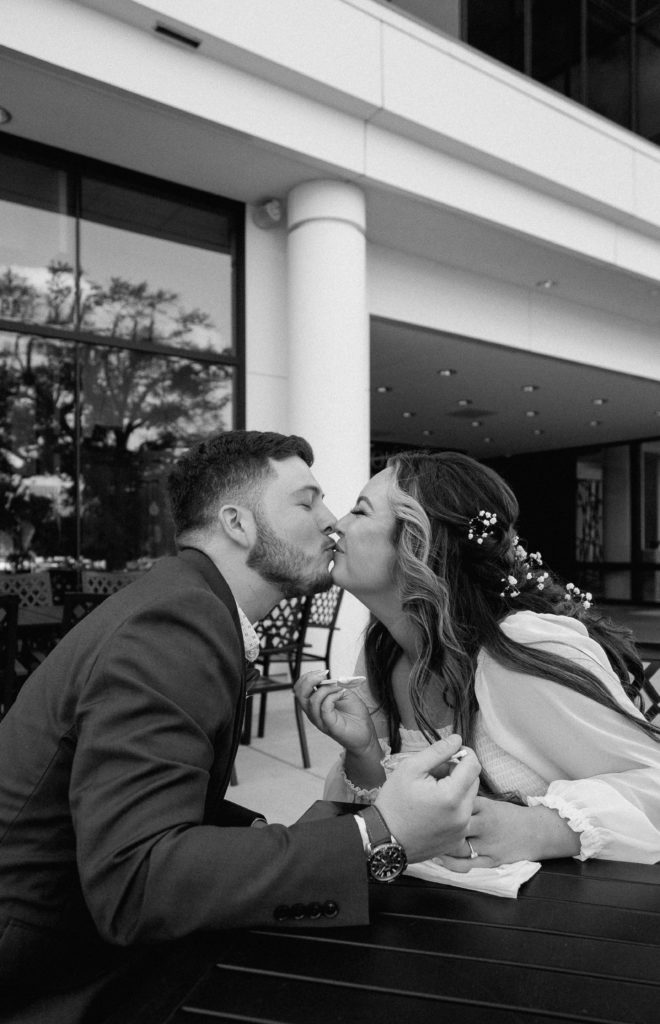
{"x": 238, "y": 523}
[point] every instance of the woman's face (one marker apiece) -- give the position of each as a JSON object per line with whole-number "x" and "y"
{"x": 365, "y": 552}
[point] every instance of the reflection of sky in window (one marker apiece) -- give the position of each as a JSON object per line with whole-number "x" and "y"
{"x": 201, "y": 278}
{"x": 33, "y": 238}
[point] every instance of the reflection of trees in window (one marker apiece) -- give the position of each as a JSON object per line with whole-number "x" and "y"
{"x": 36, "y": 445}
{"x": 133, "y": 312}
{"x": 134, "y": 408}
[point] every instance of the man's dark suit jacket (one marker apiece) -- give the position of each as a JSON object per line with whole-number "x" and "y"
{"x": 114, "y": 762}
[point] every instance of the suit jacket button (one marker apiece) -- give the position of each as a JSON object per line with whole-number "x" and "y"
{"x": 330, "y": 909}
{"x": 282, "y": 913}
{"x": 314, "y": 911}
{"x": 298, "y": 911}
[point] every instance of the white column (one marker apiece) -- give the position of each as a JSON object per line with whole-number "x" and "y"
{"x": 329, "y": 352}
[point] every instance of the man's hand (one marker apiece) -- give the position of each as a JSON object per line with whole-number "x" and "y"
{"x": 427, "y": 814}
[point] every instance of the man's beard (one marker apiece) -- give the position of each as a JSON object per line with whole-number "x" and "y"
{"x": 282, "y": 564}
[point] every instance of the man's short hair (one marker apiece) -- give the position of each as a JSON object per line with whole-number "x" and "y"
{"x": 231, "y": 466}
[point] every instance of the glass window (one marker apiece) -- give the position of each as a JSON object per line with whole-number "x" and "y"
{"x": 609, "y": 69}
{"x": 155, "y": 270}
{"x": 498, "y": 30}
{"x": 648, "y": 92}
{"x": 37, "y": 243}
{"x": 88, "y": 430}
{"x": 556, "y": 54}
{"x": 37, "y": 448}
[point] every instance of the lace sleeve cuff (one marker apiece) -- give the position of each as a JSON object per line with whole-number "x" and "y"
{"x": 366, "y": 796}
{"x": 592, "y": 837}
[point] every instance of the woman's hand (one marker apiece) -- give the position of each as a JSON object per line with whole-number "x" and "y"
{"x": 501, "y": 833}
{"x": 339, "y": 713}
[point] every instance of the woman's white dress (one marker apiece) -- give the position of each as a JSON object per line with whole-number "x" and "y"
{"x": 553, "y": 746}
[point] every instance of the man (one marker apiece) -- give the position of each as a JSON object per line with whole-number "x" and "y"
{"x": 115, "y": 758}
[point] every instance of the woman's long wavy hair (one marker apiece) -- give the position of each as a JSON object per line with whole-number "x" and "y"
{"x": 453, "y": 589}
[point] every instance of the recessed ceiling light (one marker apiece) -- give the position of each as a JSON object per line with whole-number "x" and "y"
{"x": 408, "y": 415}
{"x": 427, "y": 433}
{"x": 477, "y": 423}
{"x": 5, "y": 116}
{"x": 447, "y": 373}
{"x": 538, "y": 432}
{"x": 599, "y": 401}
{"x": 487, "y": 440}
{"x": 546, "y": 283}
{"x": 464, "y": 401}
{"x": 531, "y": 413}
{"x": 594, "y": 423}
{"x": 382, "y": 389}
{"x": 529, "y": 387}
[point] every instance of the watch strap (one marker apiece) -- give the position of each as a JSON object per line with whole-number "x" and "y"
{"x": 377, "y": 829}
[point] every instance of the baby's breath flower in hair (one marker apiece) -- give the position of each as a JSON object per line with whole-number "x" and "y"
{"x": 481, "y": 526}
{"x": 574, "y": 593}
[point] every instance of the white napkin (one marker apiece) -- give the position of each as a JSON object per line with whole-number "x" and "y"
{"x": 502, "y": 881}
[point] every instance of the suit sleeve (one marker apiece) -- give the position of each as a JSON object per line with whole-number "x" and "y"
{"x": 157, "y": 711}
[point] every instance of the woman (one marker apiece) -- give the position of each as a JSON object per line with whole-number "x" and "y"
{"x": 469, "y": 634}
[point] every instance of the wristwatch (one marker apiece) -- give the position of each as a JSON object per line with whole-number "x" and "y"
{"x": 386, "y": 858}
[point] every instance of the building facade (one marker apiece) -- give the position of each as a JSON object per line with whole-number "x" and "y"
{"x": 328, "y": 218}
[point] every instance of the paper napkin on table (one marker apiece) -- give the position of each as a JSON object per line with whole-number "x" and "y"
{"x": 502, "y": 881}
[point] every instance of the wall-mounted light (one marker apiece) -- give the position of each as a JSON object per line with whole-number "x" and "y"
{"x": 268, "y": 214}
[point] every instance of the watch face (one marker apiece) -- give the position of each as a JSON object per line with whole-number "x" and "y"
{"x": 387, "y": 862}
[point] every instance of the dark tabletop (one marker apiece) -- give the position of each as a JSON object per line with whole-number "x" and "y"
{"x": 580, "y": 943}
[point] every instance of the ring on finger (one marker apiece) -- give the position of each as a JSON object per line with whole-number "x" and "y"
{"x": 473, "y": 852}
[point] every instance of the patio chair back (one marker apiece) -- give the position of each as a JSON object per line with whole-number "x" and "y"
{"x": 97, "y": 581}
{"x": 32, "y": 589}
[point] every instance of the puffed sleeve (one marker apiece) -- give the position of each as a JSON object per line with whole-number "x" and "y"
{"x": 603, "y": 772}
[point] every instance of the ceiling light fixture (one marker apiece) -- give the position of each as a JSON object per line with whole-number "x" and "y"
{"x": 446, "y": 373}
{"x": 531, "y": 413}
{"x": 487, "y": 440}
{"x": 529, "y": 387}
{"x": 538, "y": 432}
{"x": 382, "y": 389}
{"x": 594, "y": 423}
{"x": 599, "y": 401}
{"x": 477, "y": 423}
{"x": 427, "y": 433}
{"x": 5, "y": 116}
{"x": 464, "y": 401}
{"x": 408, "y": 415}
{"x": 547, "y": 283}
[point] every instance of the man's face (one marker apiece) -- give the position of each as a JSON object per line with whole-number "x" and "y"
{"x": 293, "y": 548}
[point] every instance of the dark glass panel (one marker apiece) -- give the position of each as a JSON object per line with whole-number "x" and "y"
{"x": 155, "y": 271}
{"x": 498, "y": 29}
{"x": 37, "y": 244}
{"x": 608, "y": 63}
{"x": 139, "y": 412}
{"x": 648, "y": 78}
{"x": 37, "y": 448}
{"x": 556, "y": 52}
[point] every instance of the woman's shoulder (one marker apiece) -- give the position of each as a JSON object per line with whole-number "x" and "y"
{"x": 528, "y": 627}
